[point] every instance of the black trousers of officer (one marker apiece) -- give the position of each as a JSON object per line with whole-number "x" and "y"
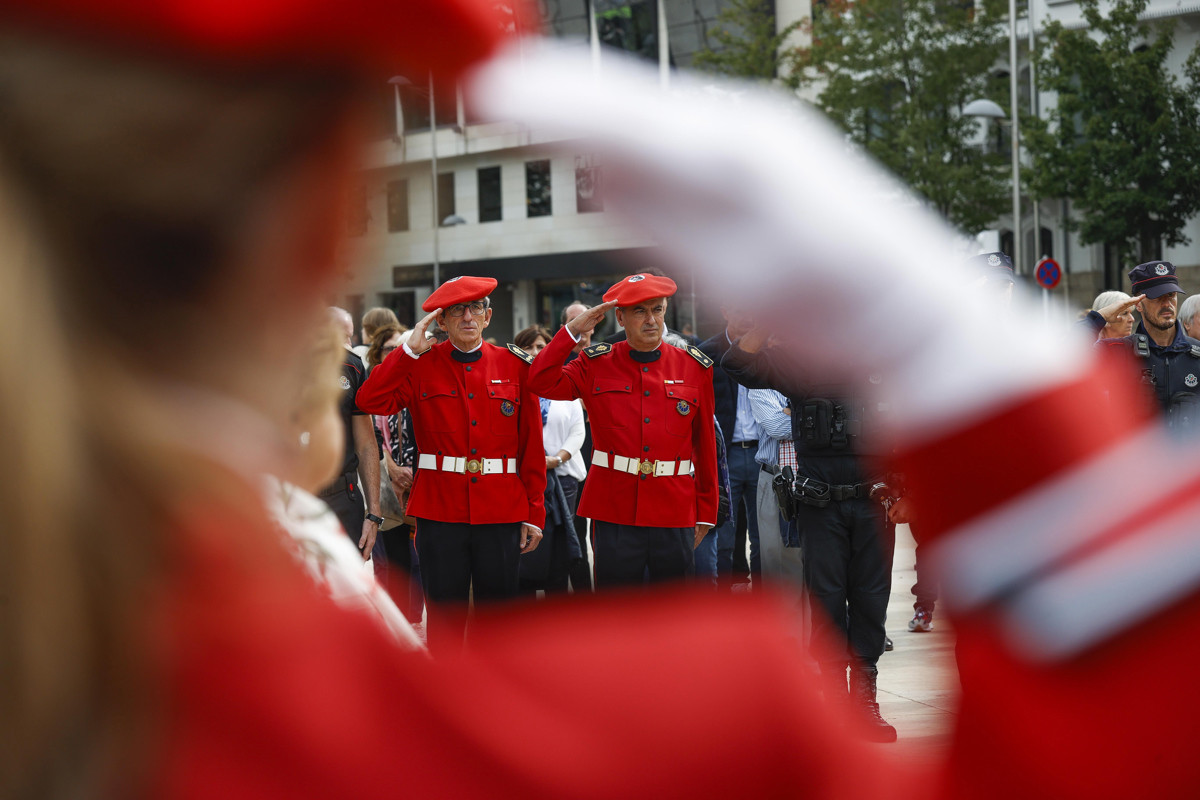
{"x": 345, "y": 498}
{"x": 848, "y": 549}
{"x": 626, "y": 555}
{"x": 457, "y": 559}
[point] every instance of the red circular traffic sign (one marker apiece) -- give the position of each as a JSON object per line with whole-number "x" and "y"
{"x": 1047, "y": 273}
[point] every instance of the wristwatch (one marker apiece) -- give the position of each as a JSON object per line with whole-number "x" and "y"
{"x": 375, "y": 519}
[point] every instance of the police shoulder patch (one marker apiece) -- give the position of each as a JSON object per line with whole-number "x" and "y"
{"x": 597, "y": 349}
{"x": 519, "y": 353}
{"x": 698, "y": 354}
{"x": 1196, "y": 351}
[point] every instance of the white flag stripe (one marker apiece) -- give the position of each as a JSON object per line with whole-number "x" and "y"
{"x": 1101, "y": 595}
{"x": 1035, "y": 530}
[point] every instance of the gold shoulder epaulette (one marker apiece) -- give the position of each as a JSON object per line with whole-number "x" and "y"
{"x": 519, "y": 353}
{"x": 597, "y": 349}
{"x": 698, "y": 354}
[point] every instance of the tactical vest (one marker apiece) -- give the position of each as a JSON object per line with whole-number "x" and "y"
{"x": 1173, "y": 376}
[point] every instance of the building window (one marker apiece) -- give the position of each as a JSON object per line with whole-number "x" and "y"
{"x": 358, "y": 214}
{"x": 489, "y": 194}
{"x": 446, "y": 206}
{"x": 537, "y": 188}
{"x": 397, "y": 204}
{"x": 629, "y": 25}
{"x": 588, "y": 184}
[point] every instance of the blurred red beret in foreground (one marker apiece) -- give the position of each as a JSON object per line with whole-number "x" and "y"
{"x": 462, "y": 289}
{"x": 639, "y": 288}
{"x": 381, "y": 36}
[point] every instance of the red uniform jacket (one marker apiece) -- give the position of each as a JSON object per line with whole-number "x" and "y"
{"x": 661, "y": 411}
{"x": 474, "y": 410}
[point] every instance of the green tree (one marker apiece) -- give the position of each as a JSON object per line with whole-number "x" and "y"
{"x": 747, "y": 44}
{"x": 895, "y": 75}
{"x": 1123, "y": 141}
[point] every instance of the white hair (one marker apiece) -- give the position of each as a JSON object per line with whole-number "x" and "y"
{"x": 1188, "y": 309}
{"x": 1106, "y": 299}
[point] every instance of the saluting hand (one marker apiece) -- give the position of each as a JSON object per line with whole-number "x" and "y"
{"x": 1111, "y": 313}
{"x": 416, "y": 337}
{"x": 588, "y": 320}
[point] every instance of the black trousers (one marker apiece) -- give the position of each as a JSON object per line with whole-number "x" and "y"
{"x": 458, "y": 559}
{"x": 848, "y": 549}
{"x": 626, "y": 555}
{"x": 581, "y": 571}
{"x": 926, "y": 588}
{"x": 350, "y": 509}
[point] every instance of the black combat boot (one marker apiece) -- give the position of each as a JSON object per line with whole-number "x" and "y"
{"x": 863, "y": 692}
{"x": 833, "y": 683}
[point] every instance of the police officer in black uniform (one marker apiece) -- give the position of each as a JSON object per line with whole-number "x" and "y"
{"x": 1169, "y": 358}
{"x": 844, "y": 532}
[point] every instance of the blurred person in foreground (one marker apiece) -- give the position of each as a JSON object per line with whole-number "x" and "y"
{"x": 548, "y": 567}
{"x": 316, "y": 535}
{"x": 160, "y": 643}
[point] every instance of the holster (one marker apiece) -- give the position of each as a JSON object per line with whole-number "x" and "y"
{"x": 782, "y": 485}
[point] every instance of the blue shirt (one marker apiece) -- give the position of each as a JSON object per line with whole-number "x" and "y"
{"x": 775, "y": 424}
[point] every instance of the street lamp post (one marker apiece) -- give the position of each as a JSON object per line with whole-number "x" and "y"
{"x": 1015, "y": 134}
{"x": 398, "y": 82}
{"x": 988, "y": 109}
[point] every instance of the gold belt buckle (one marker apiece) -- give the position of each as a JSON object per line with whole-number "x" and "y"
{"x": 474, "y": 465}
{"x": 647, "y": 467}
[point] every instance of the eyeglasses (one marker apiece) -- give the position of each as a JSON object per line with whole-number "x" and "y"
{"x": 457, "y": 310}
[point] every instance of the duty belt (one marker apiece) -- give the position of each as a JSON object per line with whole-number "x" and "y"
{"x": 644, "y": 466}
{"x": 481, "y": 466}
{"x": 818, "y": 493}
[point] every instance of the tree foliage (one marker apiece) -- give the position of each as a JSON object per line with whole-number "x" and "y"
{"x": 895, "y": 75}
{"x": 1123, "y": 142}
{"x": 748, "y": 45}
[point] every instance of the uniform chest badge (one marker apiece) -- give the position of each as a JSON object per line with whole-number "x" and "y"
{"x": 507, "y": 408}
{"x": 683, "y": 408}
{"x": 1191, "y": 381}
{"x": 344, "y": 382}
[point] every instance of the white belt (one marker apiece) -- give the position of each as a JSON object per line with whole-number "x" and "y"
{"x": 645, "y": 466}
{"x": 486, "y": 466}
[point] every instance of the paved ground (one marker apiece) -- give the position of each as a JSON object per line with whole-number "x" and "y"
{"x": 918, "y": 682}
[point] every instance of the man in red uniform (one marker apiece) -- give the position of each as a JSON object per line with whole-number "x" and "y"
{"x": 651, "y": 411}
{"x": 481, "y": 473}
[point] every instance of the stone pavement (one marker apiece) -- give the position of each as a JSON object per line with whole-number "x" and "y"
{"x": 918, "y": 681}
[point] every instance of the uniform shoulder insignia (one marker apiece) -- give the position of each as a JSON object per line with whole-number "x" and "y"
{"x": 1196, "y": 351}
{"x": 698, "y": 354}
{"x": 597, "y": 349}
{"x": 519, "y": 353}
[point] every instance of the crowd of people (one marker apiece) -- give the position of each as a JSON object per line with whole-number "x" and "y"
{"x": 201, "y": 466}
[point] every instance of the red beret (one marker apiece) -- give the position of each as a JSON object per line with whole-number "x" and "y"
{"x": 377, "y": 35}
{"x": 462, "y": 289}
{"x": 638, "y": 288}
